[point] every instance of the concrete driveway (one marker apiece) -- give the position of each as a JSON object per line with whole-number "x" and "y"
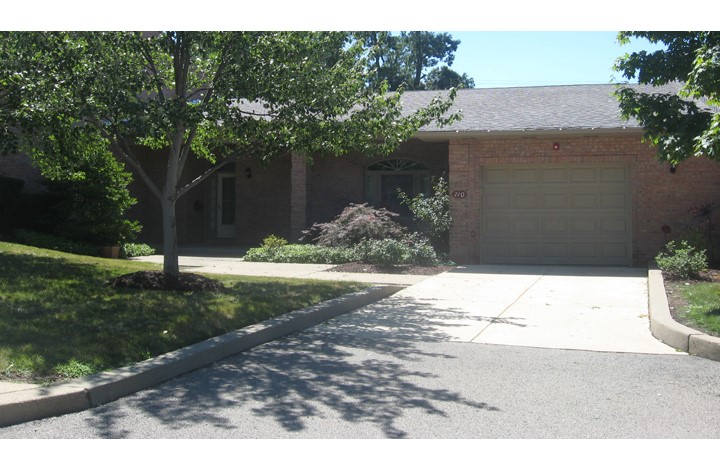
{"x": 562, "y": 307}
{"x": 582, "y": 308}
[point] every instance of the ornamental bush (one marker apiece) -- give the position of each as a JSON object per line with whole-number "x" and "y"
{"x": 683, "y": 261}
{"x": 132, "y": 250}
{"x": 413, "y": 249}
{"x": 355, "y": 223}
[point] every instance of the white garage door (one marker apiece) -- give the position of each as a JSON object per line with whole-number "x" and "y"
{"x": 556, "y": 214}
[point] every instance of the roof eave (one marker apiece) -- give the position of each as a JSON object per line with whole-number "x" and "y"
{"x": 447, "y": 135}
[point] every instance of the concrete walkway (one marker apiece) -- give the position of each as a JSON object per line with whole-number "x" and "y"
{"x": 238, "y": 267}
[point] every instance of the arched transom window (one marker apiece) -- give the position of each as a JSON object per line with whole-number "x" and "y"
{"x": 383, "y": 179}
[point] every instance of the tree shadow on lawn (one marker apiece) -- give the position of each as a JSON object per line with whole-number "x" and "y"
{"x": 57, "y": 310}
{"x": 346, "y": 369}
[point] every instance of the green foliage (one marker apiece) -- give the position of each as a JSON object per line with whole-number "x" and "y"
{"x": 91, "y": 202}
{"x": 433, "y": 212}
{"x": 272, "y": 242}
{"x": 683, "y": 261}
{"x": 388, "y": 252}
{"x": 355, "y": 223}
{"x": 702, "y": 309}
{"x": 680, "y": 125}
{"x": 132, "y": 250}
{"x": 306, "y": 254}
{"x": 273, "y": 92}
{"x": 55, "y": 242}
{"x": 73, "y": 369}
{"x": 411, "y": 60}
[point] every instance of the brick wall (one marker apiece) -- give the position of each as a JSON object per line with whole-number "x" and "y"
{"x": 335, "y": 182}
{"x": 659, "y": 197}
{"x": 263, "y": 201}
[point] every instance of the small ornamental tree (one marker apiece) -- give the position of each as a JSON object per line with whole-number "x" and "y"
{"x": 218, "y": 96}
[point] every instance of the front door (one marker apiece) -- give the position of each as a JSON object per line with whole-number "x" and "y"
{"x": 226, "y": 206}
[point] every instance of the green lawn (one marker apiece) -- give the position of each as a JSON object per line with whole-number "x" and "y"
{"x": 60, "y": 319}
{"x": 703, "y": 306}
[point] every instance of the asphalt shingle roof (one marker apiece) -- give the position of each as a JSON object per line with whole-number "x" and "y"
{"x": 533, "y": 108}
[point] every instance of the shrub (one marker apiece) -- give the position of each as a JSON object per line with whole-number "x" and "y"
{"x": 271, "y": 242}
{"x": 10, "y": 189}
{"x": 54, "y": 242}
{"x": 355, "y": 223}
{"x": 91, "y": 200}
{"x": 413, "y": 249}
{"x": 131, "y": 250}
{"x": 684, "y": 261}
{"x": 432, "y": 212}
{"x": 310, "y": 254}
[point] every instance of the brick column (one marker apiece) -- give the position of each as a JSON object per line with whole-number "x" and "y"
{"x": 462, "y": 178}
{"x": 299, "y": 191}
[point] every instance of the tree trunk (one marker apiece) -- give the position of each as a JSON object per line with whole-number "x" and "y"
{"x": 171, "y": 266}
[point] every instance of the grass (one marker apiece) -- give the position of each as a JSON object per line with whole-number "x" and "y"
{"x": 60, "y": 319}
{"x": 703, "y": 306}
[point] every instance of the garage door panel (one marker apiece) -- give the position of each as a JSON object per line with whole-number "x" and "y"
{"x": 525, "y": 175}
{"x": 524, "y": 201}
{"x": 556, "y": 214}
{"x": 615, "y": 201}
{"x": 614, "y": 175}
{"x": 585, "y": 225}
{"x": 582, "y": 175}
{"x": 555, "y": 225}
{"x": 584, "y": 200}
{"x": 555, "y": 201}
{"x": 554, "y": 175}
{"x": 527, "y": 225}
{"x": 615, "y": 225}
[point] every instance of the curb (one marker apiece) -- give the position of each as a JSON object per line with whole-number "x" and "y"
{"x": 672, "y": 333}
{"x": 81, "y": 394}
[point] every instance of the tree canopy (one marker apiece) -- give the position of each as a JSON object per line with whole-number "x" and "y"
{"x": 413, "y": 60}
{"x": 212, "y": 95}
{"x": 680, "y": 125}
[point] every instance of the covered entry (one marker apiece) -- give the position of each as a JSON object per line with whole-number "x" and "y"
{"x": 556, "y": 214}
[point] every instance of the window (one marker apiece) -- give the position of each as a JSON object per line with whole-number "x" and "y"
{"x": 383, "y": 179}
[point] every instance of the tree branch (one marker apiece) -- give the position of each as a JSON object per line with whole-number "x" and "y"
{"x": 126, "y": 154}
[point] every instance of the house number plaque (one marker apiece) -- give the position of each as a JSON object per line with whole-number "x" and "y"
{"x": 459, "y": 194}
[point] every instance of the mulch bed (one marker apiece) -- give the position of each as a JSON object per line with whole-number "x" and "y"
{"x": 403, "y": 269}
{"x": 157, "y": 280}
{"x": 677, "y": 303}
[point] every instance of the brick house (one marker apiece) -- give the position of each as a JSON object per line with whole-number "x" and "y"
{"x": 538, "y": 175}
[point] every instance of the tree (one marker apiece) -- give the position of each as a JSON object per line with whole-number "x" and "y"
{"x": 411, "y": 60}
{"x": 212, "y": 95}
{"x": 444, "y": 78}
{"x": 680, "y": 125}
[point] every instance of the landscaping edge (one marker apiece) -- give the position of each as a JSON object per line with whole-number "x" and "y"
{"x": 81, "y": 394}
{"x": 670, "y": 332}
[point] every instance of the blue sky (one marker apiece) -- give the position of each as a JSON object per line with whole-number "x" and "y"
{"x": 505, "y": 59}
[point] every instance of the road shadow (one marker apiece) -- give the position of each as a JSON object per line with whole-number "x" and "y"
{"x": 364, "y": 367}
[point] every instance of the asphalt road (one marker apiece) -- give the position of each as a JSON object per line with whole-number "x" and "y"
{"x": 338, "y": 382}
